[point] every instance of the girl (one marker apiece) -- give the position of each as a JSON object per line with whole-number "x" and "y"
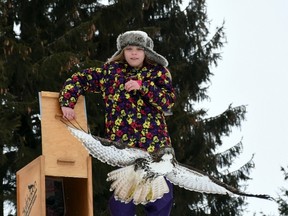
{"x": 137, "y": 90}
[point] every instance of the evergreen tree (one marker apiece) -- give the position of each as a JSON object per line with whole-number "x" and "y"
{"x": 9, "y": 121}
{"x": 283, "y": 199}
{"x": 19, "y": 133}
{"x": 60, "y": 37}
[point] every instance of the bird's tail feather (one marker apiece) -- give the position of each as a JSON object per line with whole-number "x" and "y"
{"x": 129, "y": 185}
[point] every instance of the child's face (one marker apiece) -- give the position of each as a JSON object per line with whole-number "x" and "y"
{"x": 134, "y": 55}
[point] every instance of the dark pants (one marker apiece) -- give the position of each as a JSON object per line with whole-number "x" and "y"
{"x": 161, "y": 207}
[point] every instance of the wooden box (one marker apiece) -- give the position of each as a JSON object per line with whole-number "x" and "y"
{"x": 63, "y": 173}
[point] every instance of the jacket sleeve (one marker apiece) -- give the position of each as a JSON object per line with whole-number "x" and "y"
{"x": 88, "y": 80}
{"x": 159, "y": 90}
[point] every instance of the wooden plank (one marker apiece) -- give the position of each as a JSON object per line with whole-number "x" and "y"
{"x": 31, "y": 189}
{"x": 64, "y": 154}
{"x": 90, "y": 187}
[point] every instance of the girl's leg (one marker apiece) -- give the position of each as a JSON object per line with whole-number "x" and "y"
{"x": 161, "y": 207}
{"x": 118, "y": 208}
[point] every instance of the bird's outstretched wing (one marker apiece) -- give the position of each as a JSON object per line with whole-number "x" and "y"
{"x": 118, "y": 154}
{"x": 112, "y": 153}
{"x": 196, "y": 180}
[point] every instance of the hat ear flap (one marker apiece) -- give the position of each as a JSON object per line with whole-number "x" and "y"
{"x": 155, "y": 57}
{"x": 118, "y": 42}
{"x": 149, "y": 43}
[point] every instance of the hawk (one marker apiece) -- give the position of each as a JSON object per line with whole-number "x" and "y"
{"x": 141, "y": 176}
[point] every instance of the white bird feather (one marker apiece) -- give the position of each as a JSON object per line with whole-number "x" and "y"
{"x": 141, "y": 176}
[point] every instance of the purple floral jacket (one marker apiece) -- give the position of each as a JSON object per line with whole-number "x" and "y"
{"x": 135, "y": 117}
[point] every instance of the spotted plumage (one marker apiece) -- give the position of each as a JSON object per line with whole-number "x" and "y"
{"x": 141, "y": 175}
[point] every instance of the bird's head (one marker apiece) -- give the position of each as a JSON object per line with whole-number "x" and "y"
{"x": 164, "y": 153}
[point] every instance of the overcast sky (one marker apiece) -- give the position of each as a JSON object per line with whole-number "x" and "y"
{"x": 253, "y": 72}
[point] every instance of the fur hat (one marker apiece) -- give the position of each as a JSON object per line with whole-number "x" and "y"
{"x": 139, "y": 38}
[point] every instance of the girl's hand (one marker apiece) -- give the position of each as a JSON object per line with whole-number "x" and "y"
{"x": 68, "y": 113}
{"x": 133, "y": 85}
